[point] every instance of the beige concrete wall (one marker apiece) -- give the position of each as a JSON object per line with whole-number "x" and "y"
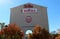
{"x": 40, "y": 17}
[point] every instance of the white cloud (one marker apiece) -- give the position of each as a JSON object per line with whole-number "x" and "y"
{"x": 2, "y": 2}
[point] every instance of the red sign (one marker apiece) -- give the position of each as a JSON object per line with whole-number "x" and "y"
{"x": 28, "y": 19}
{"x": 28, "y": 6}
{"x": 29, "y": 10}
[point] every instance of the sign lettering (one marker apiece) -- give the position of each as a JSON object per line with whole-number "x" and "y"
{"x": 29, "y": 10}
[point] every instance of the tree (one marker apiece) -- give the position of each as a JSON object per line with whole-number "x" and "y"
{"x": 2, "y": 25}
{"x": 58, "y": 37}
{"x": 12, "y": 31}
{"x": 39, "y": 33}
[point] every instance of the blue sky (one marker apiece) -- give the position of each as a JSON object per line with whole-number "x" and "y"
{"x": 53, "y": 9}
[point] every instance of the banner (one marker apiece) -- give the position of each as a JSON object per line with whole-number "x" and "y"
{"x": 29, "y": 10}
